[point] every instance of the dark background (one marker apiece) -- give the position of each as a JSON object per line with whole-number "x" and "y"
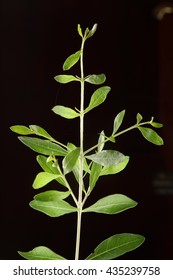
{"x": 134, "y": 50}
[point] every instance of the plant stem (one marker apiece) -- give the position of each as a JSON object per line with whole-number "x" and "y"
{"x": 80, "y": 205}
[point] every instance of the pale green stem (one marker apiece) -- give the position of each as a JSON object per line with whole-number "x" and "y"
{"x": 79, "y": 215}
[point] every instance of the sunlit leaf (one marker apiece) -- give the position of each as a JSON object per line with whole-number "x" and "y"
{"x": 112, "y": 204}
{"x": 52, "y": 208}
{"x": 96, "y": 79}
{"x": 21, "y": 129}
{"x": 150, "y": 135}
{"x": 101, "y": 142}
{"x": 94, "y": 175}
{"x": 118, "y": 121}
{"x": 64, "y": 79}
{"x": 98, "y": 97}
{"x": 70, "y": 159}
{"x": 108, "y": 170}
{"x": 43, "y": 178}
{"x": 40, "y": 131}
{"x": 139, "y": 117}
{"x": 44, "y": 147}
{"x": 40, "y": 253}
{"x": 65, "y": 112}
{"x": 71, "y": 60}
{"x": 116, "y": 245}
{"x": 51, "y": 195}
{"x": 107, "y": 157}
{"x": 50, "y": 168}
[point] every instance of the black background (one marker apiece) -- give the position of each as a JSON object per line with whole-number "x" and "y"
{"x": 36, "y": 38}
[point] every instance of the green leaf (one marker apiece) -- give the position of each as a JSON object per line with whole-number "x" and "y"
{"x": 64, "y": 79}
{"x": 94, "y": 175}
{"x": 156, "y": 125}
{"x": 139, "y": 117}
{"x": 108, "y": 170}
{"x": 79, "y": 29}
{"x": 70, "y": 160}
{"x": 150, "y": 135}
{"x": 43, "y": 178}
{"x": 51, "y": 195}
{"x": 21, "y": 129}
{"x": 40, "y": 253}
{"x": 53, "y": 208}
{"x": 91, "y": 32}
{"x": 116, "y": 245}
{"x": 65, "y": 112}
{"x": 40, "y": 131}
{"x": 98, "y": 97}
{"x": 107, "y": 157}
{"x": 71, "y": 60}
{"x": 118, "y": 121}
{"x": 112, "y": 204}
{"x": 96, "y": 79}
{"x": 44, "y": 147}
{"x": 101, "y": 142}
{"x": 50, "y": 168}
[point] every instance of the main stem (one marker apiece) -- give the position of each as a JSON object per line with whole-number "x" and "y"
{"x": 79, "y": 215}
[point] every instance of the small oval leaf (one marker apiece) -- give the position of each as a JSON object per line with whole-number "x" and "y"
{"x": 107, "y": 157}
{"x": 98, "y": 97}
{"x": 118, "y": 121}
{"x": 139, "y": 117}
{"x": 116, "y": 245}
{"x": 51, "y": 195}
{"x": 70, "y": 160}
{"x": 96, "y": 79}
{"x": 40, "y": 253}
{"x": 43, "y": 178}
{"x": 38, "y": 130}
{"x": 21, "y": 129}
{"x": 71, "y": 60}
{"x": 111, "y": 204}
{"x": 65, "y": 112}
{"x": 94, "y": 174}
{"x": 150, "y": 135}
{"x": 156, "y": 125}
{"x": 64, "y": 79}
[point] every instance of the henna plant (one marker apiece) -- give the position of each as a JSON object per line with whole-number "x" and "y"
{"x": 58, "y": 160}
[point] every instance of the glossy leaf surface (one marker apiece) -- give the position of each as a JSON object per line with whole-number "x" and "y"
{"x": 21, "y": 129}
{"x": 51, "y": 195}
{"x": 40, "y": 253}
{"x": 115, "y": 246}
{"x": 71, "y": 60}
{"x": 44, "y": 147}
{"x": 150, "y": 135}
{"x": 107, "y": 157}
{"x": 52, "y": 208}
{"x": 111, "y": 204}
{"x": 65, "y": 112}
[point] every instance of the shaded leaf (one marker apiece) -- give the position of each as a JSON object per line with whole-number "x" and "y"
{"x": 64, "y": 79}
{"x": 111, "y": 204}
{"x": 107, "y": 157}
{"x": 52, "y": 208}
{"x": 65, "y": 112}
{"x": 139, "y": 117}
{"x": 150, "y": 135}
{"x": 96, "y": 79}
{"x": 21, "y": 129}
{"x": 50, "y": 168}
{"x": 118, "y": 121}
{"x": 70, "y": 160}
{"x": 156, "y": 125}
{"x": 40, "y": 253}
{"x": 108, "y": 170}
{"x": 44, "y": 147}
{"x": 43, "y": 178}
{"x": 94, "y": 175}
{"x": 116, "y": 245}
{"x": 51, "y": 195}
{"x": 98, "y": 97}
{"x": 71, "y": 60}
